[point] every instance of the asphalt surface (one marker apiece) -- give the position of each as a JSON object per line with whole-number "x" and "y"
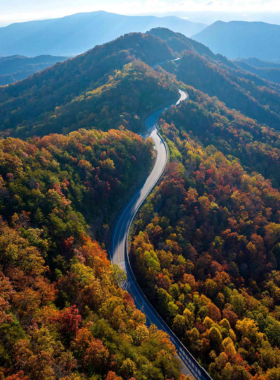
{"x": 161, "y": 63}
{"x": 119, "y": 254}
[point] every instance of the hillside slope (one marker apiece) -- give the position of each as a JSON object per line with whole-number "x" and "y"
{"x": 178, "y": 42}
{"x": 103, "y": 88}
{"x": 217, "y": 76}
{"x": 115, "y": 80}
{"x": 235, "y": 92}
{"x": 206, "y": 245}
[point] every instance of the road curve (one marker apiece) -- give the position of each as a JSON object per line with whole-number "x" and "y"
{"x": 119, "y": 254}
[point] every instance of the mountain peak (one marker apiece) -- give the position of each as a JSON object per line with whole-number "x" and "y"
{"x": 242, "y": 39}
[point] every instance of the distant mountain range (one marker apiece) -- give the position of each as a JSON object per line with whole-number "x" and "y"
{"x": 266, "y": 70}
{"x": 259, "y": 63}
{"x": 238, "y": 39}
{"x": 15, "y": 68}
{"x": 78, "y": 33}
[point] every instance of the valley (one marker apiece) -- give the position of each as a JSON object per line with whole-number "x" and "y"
{"x": 185, "y": 285}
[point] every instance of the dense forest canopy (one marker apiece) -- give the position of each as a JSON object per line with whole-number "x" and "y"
{"x": 29, "y": 107}
{"x": 63, "y": 314}
{"x": 114, "y": 86}
{"x": 127, "y": 96}
{"x": 206, "y": 244}
{"x": 179, "y": 42}
{"x": 232, "y": 133}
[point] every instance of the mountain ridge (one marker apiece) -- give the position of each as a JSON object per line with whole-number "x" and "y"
{"x": 75, "y": 34}
{"x": 242, "y": 39}
{"x": 53, "y": 99}
{"x": 217, "y": 76}
{"x": 15, "y": 68}
{"x": 207, "y": 242}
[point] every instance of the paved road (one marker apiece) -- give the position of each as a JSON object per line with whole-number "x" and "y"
{"x": 119, "y": 253}
{"x": 161, "y": 63}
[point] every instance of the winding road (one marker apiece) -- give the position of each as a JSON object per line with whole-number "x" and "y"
{"x": 119, "y": 254}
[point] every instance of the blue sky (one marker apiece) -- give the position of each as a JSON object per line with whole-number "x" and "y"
{"x": 19, "y": 10}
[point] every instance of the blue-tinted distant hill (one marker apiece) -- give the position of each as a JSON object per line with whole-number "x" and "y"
{"x": 259, "y": 63}
{"x": 18, "y": 67}
{"x": 266, "y": 70}
{"x": 78, "y": 33}
{"x": 238, "y": 39}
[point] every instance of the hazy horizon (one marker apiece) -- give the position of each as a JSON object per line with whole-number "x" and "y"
{"x": 201, "y": 11}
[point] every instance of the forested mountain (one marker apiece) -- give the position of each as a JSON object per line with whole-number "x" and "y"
{"x": 108, "y": 78}
{"x": 236, "y": 92}
{"x": 63, "y": 314}
{"x": 206, "y": 243}
{"x": 215, "y": 75}
{"x": 105, "y": 88}
{"x": 256, "y": 146}
{"x": 15, "y": 68}
{"x": 80, "y": 32}
{"x": 179, "y": 42}
{"x": 205, "y": 247}
{"x": 241, "y": 39}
